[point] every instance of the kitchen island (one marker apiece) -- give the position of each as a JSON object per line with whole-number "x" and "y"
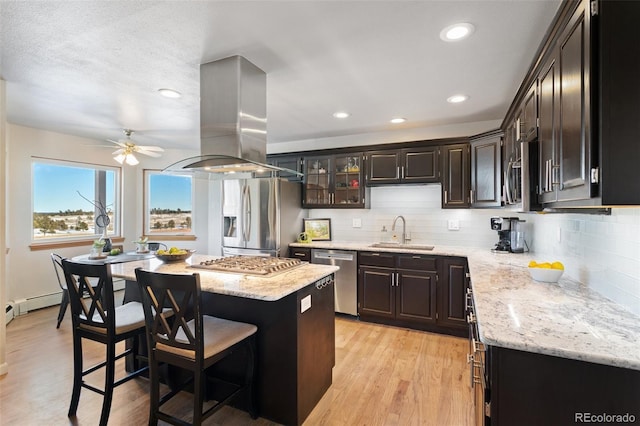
{"x": 294, "y": 313}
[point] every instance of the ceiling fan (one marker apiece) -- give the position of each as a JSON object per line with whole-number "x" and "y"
{"x": 128, "y": 148}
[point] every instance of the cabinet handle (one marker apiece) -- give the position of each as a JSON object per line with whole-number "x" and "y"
{"x": 471, "y": 195}
{"x": 402, "y": 172}
{"x": 445, "y": 196}
{"x": 299, "y": 254}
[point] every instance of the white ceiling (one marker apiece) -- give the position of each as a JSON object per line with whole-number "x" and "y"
{"x": 91, "y": 68}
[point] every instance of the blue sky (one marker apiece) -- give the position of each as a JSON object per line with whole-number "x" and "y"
{"x": 56, "y": 189}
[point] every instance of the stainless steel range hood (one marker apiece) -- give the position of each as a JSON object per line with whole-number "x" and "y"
{"x": 233, "y": 122}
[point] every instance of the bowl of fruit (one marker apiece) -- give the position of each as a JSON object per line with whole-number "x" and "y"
{"x": 546, "y": 272}
{"x": 174, "y": 254}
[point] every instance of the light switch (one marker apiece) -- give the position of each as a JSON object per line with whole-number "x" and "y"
{"x": 357, "y": 223}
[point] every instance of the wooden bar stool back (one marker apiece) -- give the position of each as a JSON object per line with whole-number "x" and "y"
{"x": 96, "y": 318}
{"x": 191, "y": 341}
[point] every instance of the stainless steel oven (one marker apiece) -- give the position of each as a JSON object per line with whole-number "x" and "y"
{"x": 477, "y": 366}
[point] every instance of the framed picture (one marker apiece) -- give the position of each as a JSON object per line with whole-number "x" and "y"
{"x": 318, "y": 229}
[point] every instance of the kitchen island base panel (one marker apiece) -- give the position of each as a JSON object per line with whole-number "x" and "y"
{"x": 530, "y": 388}
{"x": 295, "y": 346}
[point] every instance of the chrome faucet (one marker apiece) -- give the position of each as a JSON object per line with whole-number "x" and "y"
{"x": 403, "y": 239}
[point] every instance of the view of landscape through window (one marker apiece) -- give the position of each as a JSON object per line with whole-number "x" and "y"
{"x": 169, "y": 204}
{"x": 67, "y": 200}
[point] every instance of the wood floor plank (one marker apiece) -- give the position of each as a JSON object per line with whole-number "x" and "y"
{"x": 383, "y": 376}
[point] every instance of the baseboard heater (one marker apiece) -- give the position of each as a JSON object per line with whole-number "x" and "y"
{"x": 9, "y": 313}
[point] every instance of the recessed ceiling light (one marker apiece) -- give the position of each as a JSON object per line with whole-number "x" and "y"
{"x": 457, "y": 32}
{"x": 398, "y": 120}
{"x": 341, "y": 114}
{"x": 456, "y": 99}
{"x": 170, "y": 93}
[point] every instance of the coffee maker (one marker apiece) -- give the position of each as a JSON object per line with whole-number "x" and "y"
{"x": 510, "y": 234}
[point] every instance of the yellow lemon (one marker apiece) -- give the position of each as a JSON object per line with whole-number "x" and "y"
{"x": 557, "y": 265}
{"x": 545, "y": 265}
{"x": 533, "y": 264}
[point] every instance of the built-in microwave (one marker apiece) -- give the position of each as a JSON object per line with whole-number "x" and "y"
{"x": 520, "y": 178}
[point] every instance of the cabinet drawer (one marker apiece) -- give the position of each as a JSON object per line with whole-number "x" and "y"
{"x": 374, "y": 258}
{"x": 303, "y": 254}
{"x": 416, "y": 261}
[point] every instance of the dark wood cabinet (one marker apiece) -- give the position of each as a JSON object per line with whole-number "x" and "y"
{"x": 291, "y": 162}
{"x": 302, "y": 253}
{"x": 407, "y": 290}
{"x": 454, "y": 283}
{"x": 575, "y": 153}
{"x": 333, "y": 181}
{"x": 588, "y": 98}
{"x": 527, "y": 388}
{"x": 455, "y": 176}
{"x": 411, "y": 165}
{"x": 486, "y": 170}
{"x": 527, "y": 121}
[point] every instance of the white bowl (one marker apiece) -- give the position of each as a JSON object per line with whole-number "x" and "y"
{"x": 546, "y": 275}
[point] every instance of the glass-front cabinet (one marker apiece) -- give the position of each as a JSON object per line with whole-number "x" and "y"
{"x": 333, "y": 181}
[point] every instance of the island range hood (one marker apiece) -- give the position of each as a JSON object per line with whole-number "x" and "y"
{"x": 233, "y": 123}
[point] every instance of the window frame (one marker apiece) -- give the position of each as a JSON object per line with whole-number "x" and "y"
{"x": 66, "y": 241}
{"x": 146, "y": 213}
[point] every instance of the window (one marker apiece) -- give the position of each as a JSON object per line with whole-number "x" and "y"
{"x": 168, "y": 204}
{"x": 74, "y": 201}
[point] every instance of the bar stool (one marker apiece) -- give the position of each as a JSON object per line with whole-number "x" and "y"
{"x": 97, "y": 318}
{"x": 192, "y": 344}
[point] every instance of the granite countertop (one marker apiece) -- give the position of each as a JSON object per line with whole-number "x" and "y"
{"x": 565, "y": 319}
{"x": 269, "y": 288}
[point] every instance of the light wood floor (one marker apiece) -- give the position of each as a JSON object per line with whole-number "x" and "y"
{"x": 383, "y": 376}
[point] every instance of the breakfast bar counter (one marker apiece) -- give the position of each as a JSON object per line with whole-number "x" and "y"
{"x": 294, "y": 313}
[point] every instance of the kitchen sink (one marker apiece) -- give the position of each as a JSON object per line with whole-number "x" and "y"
{"x": 402, "y": 246}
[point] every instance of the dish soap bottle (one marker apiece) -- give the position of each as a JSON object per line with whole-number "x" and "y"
{"x": 384, "y": 235}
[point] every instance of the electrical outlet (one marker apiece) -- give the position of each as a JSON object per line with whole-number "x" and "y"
{"x": 559, "y": 235}
{"x": 453, "y": 225}
{"x": 357, "y": 223}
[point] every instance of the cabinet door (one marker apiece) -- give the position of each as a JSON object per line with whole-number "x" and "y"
{"x": 453, "y": 289}
{"x": 416, "y": 296}
{"x": 317, "y": 182}
{"x": 383, "y": 167}
{"x": 302, "y": 253}
{"x": 420, "y": 165}
{"x": 548, "y": 136}
{"x": 347, "y": 178}
{"x": 455, "y": 176}
{"x": 288, "y": 162}
{"x": 529, "y": 123}
{"x": 574, "y": 104}
{"x": 486, "y": 172}
{"x": 376, "y": 292}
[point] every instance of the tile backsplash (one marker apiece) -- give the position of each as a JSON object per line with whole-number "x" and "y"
{"x": 600, "y": 251}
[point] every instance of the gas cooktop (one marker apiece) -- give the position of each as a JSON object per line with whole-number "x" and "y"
{"x": 255, "y": 265}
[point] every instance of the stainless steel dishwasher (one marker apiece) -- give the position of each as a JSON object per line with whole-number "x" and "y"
{"x": 346, "y": 279}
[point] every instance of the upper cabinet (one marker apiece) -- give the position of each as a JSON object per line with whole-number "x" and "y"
{"x": 588, "y": 98}
{"x": 291, "y": 162}
{"x": 333, "y": 181}
{"x": 455, "y": 176}
{"x": 485, "y": 170}
{"x": 411, "y": 165}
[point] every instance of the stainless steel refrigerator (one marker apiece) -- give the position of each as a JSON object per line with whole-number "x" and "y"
{"x": 260, "y": 216}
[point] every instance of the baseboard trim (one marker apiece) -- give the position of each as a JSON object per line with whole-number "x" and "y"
{"x": 23, "y": 306}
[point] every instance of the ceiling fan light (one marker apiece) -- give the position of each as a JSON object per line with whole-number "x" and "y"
{"x": 131, "y": 160}
{"x": 120, "y": 158}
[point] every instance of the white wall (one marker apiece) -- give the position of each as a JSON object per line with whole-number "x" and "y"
{"x": 3, "y": 222}
{"x": 30, "y": 272}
